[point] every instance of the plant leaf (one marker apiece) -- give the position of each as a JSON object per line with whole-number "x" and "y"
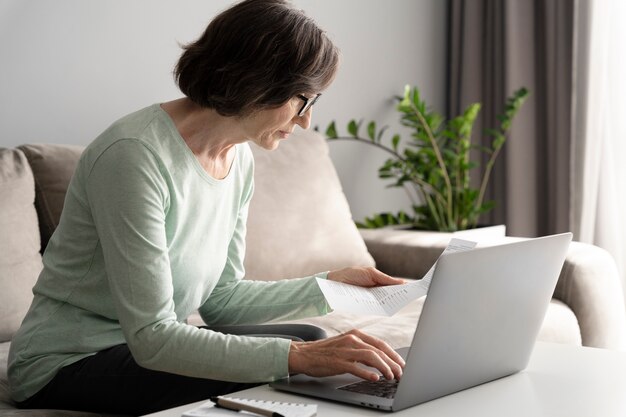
{"x": 331, "y": 130}
{"x": 405, "y": 103}
{"x": 353, "y": 128}
{"x": 371, "y": 130}
{"x": 380, "y": 133}
{"x": 395, "y": 141}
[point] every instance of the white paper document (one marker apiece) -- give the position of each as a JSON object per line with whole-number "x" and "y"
{"x": 387, "y": 300}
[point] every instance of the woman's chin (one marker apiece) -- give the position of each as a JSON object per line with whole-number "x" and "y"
{"x": 268, "y": 145}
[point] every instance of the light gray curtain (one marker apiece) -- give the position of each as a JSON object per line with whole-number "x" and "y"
{"x": 599, "y": 129}
{"x": 494, "y": 48}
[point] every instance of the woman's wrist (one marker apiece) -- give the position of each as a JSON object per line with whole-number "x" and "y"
{"x": 294, "y": 358}
{"x": 322, "y": 275}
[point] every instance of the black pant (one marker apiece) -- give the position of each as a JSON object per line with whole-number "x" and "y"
{"x": 112, "y": 382}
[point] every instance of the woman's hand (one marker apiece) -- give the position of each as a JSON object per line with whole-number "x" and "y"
{"x": 363, "y": 277}
{"x": 346, "y": 353}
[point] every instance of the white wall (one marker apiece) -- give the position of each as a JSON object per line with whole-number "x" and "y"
{"x": 68, "y": 68}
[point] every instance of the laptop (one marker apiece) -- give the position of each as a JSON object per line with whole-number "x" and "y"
{"x": 479, "y": 323}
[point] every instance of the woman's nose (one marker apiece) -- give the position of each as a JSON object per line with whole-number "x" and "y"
{"x": 304, "y": 121}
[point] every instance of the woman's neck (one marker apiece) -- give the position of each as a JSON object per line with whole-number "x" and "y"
{"x": 210, "y": 136}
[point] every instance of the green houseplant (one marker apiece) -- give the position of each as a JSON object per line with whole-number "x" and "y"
{"x": 434, "y": 166}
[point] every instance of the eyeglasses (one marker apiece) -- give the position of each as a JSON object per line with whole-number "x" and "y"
{"x": 308, "y": 103}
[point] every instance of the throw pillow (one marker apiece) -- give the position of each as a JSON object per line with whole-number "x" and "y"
{"x": 53, "y": 167}
{"x": 20, "y": 261}
{"x": 299, "y": 221}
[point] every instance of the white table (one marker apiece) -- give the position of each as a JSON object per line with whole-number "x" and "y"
{"x": 560, "y": 380}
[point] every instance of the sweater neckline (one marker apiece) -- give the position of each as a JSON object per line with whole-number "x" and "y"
{"x": 189, "y": 153}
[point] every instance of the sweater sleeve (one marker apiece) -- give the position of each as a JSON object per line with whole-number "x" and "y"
{"x": 128, "y": 197}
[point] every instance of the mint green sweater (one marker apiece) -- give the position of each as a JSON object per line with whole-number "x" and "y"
{"x": 146, "y": 238}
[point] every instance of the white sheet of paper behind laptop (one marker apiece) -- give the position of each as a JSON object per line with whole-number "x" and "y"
{"x": 387, "y": 300}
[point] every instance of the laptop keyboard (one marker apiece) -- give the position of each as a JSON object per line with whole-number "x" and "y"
{"x": 384, "y": 388}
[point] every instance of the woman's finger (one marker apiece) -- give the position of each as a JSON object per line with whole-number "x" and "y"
{"x": 354, "y": 368}
{"x": 372, "y": 359}
{"x": 375, "y": 357}
{"x": 380, "y": 278}
{"x": 379, "y": 344}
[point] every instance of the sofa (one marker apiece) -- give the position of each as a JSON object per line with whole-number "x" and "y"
{"x": 299, "y": 223}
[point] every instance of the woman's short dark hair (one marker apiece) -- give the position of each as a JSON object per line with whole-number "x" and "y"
{"x": 257, "y": 54}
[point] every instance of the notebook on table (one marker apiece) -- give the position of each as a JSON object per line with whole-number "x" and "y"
{"x": 479, "y": 323}
{"x": 209, "y": 409}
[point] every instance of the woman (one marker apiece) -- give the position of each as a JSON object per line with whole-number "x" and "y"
{"x": 153, "y": 228}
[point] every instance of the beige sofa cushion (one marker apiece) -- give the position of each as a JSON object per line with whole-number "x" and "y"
{"x": 20, "y": 261}
{"x": 299, "y": 222}
{"x": 53, "y": 166}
